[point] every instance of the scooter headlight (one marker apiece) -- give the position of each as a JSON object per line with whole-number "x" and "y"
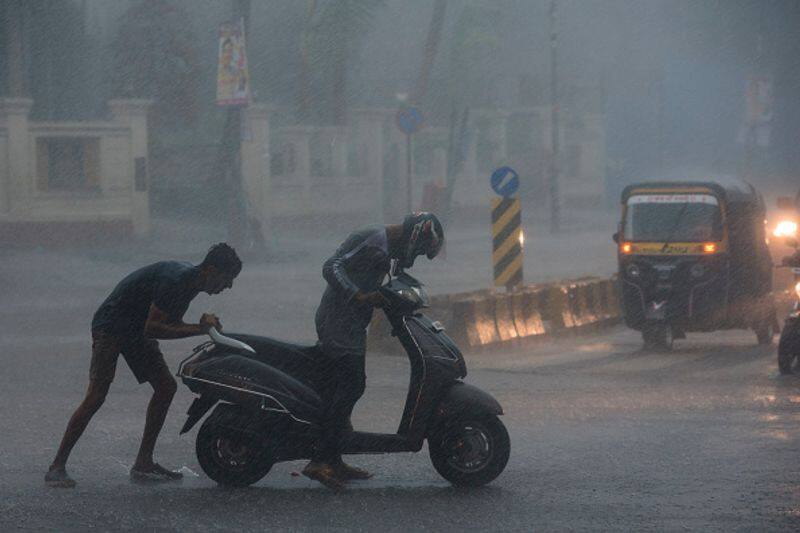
{"x": 414, "y": 295}
{"x": 698, "y": 270}
{"x": 633, "y": 270}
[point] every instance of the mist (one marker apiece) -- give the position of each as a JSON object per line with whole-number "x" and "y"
{"x": 137, "y": 131}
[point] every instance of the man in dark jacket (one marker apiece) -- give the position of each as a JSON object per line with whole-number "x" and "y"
{"x": 146, "y": 305}
{"x": 354, "y": 274}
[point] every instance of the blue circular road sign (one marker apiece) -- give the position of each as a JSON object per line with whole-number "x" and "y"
{"x": 409, "y": 119}
{"x": 505, "y": 181}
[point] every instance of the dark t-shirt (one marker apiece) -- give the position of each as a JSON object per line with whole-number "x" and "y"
{"x": 167, "y": 284}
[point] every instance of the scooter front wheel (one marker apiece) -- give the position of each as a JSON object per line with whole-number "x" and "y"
{"x": 231, "y": 458}
{"x": 470, "y": 452}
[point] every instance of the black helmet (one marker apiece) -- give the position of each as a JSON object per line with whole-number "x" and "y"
{"x": 422, "y": 234}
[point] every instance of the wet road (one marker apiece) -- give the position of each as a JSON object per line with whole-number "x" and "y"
{"x": 604, "y": 437}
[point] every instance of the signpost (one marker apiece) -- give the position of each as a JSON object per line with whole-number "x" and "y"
{"x": 507, "y": 236}
{"x": 409, "y": 121}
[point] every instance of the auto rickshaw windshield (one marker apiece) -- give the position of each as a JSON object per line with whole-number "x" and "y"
{"x": 673, "y": 218}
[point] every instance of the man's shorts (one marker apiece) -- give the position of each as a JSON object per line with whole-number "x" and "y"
{"x": 142, "y": 355}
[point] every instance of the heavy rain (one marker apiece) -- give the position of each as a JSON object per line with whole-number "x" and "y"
{"x": 394, "y": 265}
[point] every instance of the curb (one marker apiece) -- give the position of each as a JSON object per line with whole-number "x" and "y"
{"x": 487, "y": 319}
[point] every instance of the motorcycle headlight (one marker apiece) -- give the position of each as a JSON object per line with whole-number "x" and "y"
{"x": 786, "y": 228}
{"x": 698, "y": 270}
{"x": 633, "y": 270}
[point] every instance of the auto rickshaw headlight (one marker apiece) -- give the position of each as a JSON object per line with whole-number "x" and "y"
{"x": 785, "y": 228}
{"x": 633, "y": 270}
{"x": 698, "y": 270}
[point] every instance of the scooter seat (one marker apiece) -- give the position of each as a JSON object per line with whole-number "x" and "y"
{"x": 303, "y": 362}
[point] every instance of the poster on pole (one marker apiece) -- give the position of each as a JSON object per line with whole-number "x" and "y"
{"x": 233, "y": 79}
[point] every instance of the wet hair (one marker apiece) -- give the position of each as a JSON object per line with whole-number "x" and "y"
{"x": 223, "y": 257}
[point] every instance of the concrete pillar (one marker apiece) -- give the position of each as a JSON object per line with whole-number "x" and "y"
{"x": 439, "y": 165}
{"x": 395, "y": 205}
{"x": 337, "y": 139}
{"x": 16, "y": 179}
{"x": 132, "y": 113}
{"x": 498, "y": 136}
{"x": 300, "y": 139}
{"x": 256, "y": 177}
{"x": 470, "y": 167}
{"x": 593, "y": 153}
{"x": 370, "y": 139}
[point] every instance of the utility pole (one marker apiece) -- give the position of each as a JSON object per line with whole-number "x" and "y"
{"x": 555, "y": 206}
{"x": 409, "y": 174}
{"x": 230, "y": 161}
{"x": 753, "y": 107}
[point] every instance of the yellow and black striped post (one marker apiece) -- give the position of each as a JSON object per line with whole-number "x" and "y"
{"x": 507, "y": 242}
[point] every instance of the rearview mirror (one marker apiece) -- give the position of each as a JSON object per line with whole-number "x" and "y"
{"x": 784, "y": 202}
{"x": 615, "y": 237}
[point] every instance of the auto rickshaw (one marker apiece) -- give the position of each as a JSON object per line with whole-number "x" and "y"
{"x": 693, "y": 256}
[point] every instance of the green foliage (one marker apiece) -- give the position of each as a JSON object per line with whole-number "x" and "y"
{"x": 333, "y": 40}
{"x": 58, "y": 69}
{"x": 473, "y": 45}
{"x": 155, "y": 57}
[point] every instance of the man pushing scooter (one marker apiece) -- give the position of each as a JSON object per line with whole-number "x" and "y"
{"x": 146, "y": 305}
{"x": 354, "y": 273}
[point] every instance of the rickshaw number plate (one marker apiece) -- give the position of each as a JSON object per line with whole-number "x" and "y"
{"x": 437, "y": 326}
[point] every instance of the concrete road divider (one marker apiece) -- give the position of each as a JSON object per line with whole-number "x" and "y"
{"x": 556, "y": 310}
{"x": 527, "y": 314}
{"x": 504, "y": 318}
{"x": 486, "y": 318}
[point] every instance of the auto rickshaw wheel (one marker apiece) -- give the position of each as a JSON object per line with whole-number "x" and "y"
{"x": 658, "y": 337}
{"x": 765, "y": 332}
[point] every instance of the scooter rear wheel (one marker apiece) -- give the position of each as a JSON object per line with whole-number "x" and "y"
{"x": 231, "y": 458}
{"x": 470, "y": 451}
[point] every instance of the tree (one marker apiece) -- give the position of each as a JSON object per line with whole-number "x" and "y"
{"x": 155, "y": 57}
{"x": 335, "y": 31}
{"x": 55, "y": 72}
{"x": 474, "y": 45}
